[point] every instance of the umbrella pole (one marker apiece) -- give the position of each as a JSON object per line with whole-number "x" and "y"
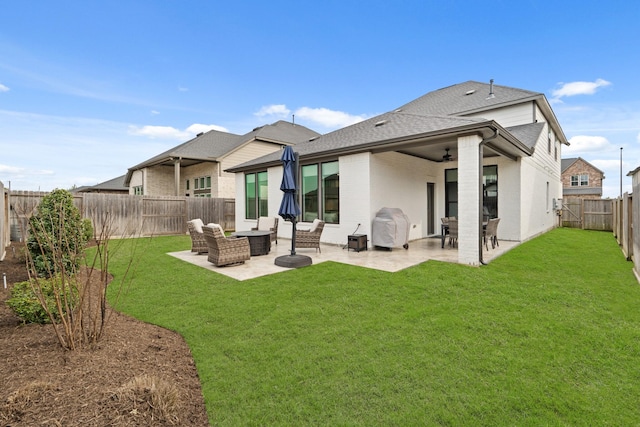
{"x": 293, "y": 237}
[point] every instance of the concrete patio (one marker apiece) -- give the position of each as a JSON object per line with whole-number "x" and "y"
{"x": 381, "y": 259}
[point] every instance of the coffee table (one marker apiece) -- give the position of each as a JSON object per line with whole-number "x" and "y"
{"x": 259, "y": 241}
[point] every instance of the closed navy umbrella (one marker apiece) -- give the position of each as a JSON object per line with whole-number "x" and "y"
{"x": 289, "y": 209}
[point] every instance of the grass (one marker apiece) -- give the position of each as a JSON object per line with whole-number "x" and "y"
{"x": 547, "y": 334}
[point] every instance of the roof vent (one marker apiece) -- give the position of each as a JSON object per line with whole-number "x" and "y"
{"x": 491, "y": 95}
{"x": 470, "y": 92}
{"x": 314, "y": 138}
{"x": 381, "y": 122}
{"x": 201, "y": 133}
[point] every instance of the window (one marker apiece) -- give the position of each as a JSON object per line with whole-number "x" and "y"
{"x": 489, "y": 192}
{"x": 187, "y": 183}
{"x": 581, "y": 180}
{"x": 201, "y": 186}
{"x": 321, "y": 192}
{"x": 138, "y": 190}
{"x": 256, "y": 188}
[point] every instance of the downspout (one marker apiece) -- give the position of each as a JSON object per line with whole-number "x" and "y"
{"x": 481, "y": 199}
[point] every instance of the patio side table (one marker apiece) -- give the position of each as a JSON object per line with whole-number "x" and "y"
{"x": 357, "y": 242}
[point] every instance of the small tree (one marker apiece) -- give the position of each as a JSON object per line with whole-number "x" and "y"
{"x": 57, "y": 228}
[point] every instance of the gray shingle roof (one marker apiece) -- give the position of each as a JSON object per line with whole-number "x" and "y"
{"x": 581, "y": 191}
{"x": 366, "y": 133}
{"x": 527, "y": 134}
{"x": 467, "y": 97}
{"x": 214, "y": 144}
{"x": 441, "y": 112}
{"x": 565, "y": 163}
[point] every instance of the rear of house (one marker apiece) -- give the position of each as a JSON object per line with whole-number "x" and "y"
{"x": 472, "y": 150}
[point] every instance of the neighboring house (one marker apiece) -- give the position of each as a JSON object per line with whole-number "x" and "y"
{"x": 112, "y": 186}
{"x": 580, "y": 179}
{"x": 196, "y": 167}
{"x": 471, "y": 150}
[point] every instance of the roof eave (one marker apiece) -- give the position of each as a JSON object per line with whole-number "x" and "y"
{"x": 486, "y": 129}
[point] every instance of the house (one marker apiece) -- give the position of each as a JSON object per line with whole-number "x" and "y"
{"x": 196, "y": 167}
{"x": 112, "y": 186}
{"x": 580, "y": 179}
{"x": 472, "y": 150}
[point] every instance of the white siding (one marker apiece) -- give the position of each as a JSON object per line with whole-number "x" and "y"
{"x": 253, "y": 150}
{"x": 512, "y": 115}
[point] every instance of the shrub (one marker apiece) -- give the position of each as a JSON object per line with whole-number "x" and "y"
{"x": 87, "y": 229}
{"x": 57, "y": 235}
{"x": 27, "y": 306}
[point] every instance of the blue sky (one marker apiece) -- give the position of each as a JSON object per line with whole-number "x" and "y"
{"x": 89, "y": 88}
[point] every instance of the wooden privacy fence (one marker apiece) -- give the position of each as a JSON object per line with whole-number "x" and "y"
{"x": 127, "y": 215}
{"x": 588, "y": 214}
{"x": 624, "y": 217}
{"x": 5, "y": 234}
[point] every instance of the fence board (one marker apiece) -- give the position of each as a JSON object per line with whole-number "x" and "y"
{"x": 126, "y": 215}
{"x": 5, "y": 233}
{"x": 588, "y": 214}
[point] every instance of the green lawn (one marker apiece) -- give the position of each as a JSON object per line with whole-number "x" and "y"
{"x": 547, "y": 334}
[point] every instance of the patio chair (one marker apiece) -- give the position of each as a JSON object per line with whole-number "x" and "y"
{"x": 225, "y": 250}
{"x": 310, "y": 238}
{"x": 453, "y": 231}
{"x": 268, "y": 223}
{"x": 491, "y": 233}
{"x": 198, "y": 244}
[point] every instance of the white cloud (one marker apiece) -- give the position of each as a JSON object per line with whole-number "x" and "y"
{"x": 4, "y": 169}
{"x": 169, "y": 132}
{"x": 585, "y": 144}
{"x": 3, "y": 88}
{"x": 276, "y": 110}
{"x": 155, "y": 112}
{"x": 328, "y": 118}
{"x": 579, "y": 88}
{"x": 196, "y": 128}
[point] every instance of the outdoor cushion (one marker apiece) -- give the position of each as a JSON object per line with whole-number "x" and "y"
{"x": 197, "y": 224}
{"x": 314, "y": 225}
{"x": 266, "y": 223}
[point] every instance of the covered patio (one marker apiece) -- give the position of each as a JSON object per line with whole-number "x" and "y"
{"x": 395, "y": 260}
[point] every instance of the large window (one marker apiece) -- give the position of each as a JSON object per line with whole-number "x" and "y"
{"x": 321, "y": 192}
{"x": 489, "y": 192}
{"x": 256, "y": 195}
{"x": 580, "y": 180}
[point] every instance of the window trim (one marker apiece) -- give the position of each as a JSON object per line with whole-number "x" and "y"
{"x": 322, "y": 198}
{"x": 261, "y": 204}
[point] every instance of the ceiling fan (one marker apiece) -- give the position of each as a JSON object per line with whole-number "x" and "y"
{"x": 447, "y": 157}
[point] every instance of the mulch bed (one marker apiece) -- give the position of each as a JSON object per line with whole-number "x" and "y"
{"x": 137, "y": 375}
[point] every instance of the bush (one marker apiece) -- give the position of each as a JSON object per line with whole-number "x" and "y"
{"x": 26, "y": 305}
{"x": 57, "y": 235}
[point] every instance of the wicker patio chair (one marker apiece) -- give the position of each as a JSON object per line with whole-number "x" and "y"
{"x": 310, "y": 238}
{"x": 268, "y": 223}
{"x": 225, "y": 251}
{"x": 198, "y": 244}
{"x": 491, "y": 233}
{"x": 453, "y": 231}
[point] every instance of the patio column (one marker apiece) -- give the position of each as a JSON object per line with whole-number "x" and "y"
{"x": 469, "y": 194}
{"x": 176, "y": 176}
